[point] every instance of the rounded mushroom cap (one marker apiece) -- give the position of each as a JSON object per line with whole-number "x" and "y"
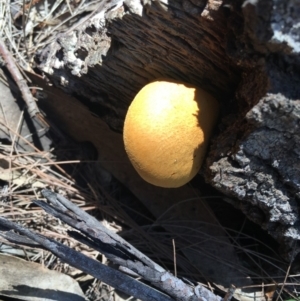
{"x": 166, "y": 131}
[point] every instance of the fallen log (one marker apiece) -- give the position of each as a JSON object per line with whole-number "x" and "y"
{"x": 245, "y": 53}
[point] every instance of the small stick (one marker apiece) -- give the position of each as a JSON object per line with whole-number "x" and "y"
{"x": 112, "y": 277}
{"x": 174, "y": 254}
{"x": 20, "y": 81}
{"x": 92, "y": 233}
{"x": 230, "y": 293}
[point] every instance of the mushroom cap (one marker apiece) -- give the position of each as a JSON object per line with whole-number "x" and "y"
{"x": 166, "y": 131}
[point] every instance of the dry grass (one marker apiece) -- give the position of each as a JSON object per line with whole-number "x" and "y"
{"x": 27, "y": 27}
{"x": 23, "y": 175}
{"x": 30, "y": 171}
{"x": 26, "y": 30}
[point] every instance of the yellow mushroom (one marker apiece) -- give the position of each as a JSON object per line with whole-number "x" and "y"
{"x": 166, "y": 131}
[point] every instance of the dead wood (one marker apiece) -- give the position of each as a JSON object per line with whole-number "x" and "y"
{"x": 256, "y": 157}
{"x": 191, "y": 213}
{"x": 11, "y": 65}
{"x": 92, "y": 267}
{"x": 114, "y": 247}
{"x": 245, "y": 53}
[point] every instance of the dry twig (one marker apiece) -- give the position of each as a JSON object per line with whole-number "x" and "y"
{"x": 90, "y": 266}
{"x": 93, "y": 233}
{"x": 20, "y": 81}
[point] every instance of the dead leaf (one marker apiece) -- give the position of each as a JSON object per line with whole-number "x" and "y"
{"x": 25, "y": 280}
{"x": 16, "y": 177}
{"x": 14, "y": 115}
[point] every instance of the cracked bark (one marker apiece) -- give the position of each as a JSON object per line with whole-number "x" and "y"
{"x": 246, "y": 53}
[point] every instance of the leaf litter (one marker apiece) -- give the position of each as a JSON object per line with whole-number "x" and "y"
{"x": 26, "y": 28}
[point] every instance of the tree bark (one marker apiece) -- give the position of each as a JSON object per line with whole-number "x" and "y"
{"x": 256, "y": 158}
{"x": 245, "y": 53}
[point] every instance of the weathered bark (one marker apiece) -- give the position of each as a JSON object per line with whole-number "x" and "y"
{"x": 134, "y": 45}
{"x": 256, "y": 158}
{"x": 183, "y": 212}
{"x": 246, "y": 53}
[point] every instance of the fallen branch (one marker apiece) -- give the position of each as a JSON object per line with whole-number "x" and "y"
{"x": 20, "y": 81}
{"x": 93, "y": 233}
{"x": 118, "y": 250}
{"x": 90, "y": 266}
